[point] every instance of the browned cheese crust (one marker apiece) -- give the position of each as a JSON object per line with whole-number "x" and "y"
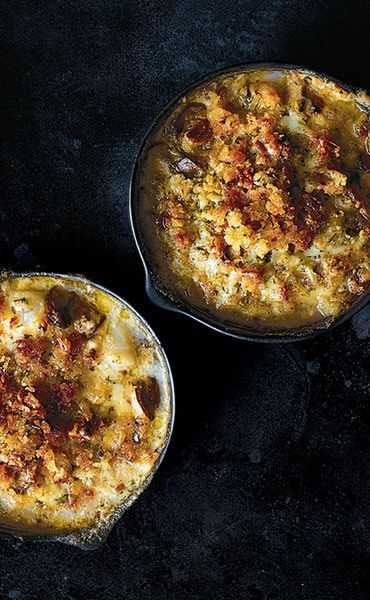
{"x": 83, "y": 405}
{"x": 259, "y": 185}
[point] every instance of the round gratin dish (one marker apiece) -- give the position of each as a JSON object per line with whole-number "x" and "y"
{"x": 87, "y": 408}
{"x": 172, "y": 182}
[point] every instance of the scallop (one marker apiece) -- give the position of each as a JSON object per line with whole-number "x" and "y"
{"x": 119, "y": 350}
{"x": 123, "y": 399}
{"x": 294, "y": 123}
{"x": 28, "y": 306}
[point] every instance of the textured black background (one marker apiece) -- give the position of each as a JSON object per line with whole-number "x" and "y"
{"x": 264, "y": 491}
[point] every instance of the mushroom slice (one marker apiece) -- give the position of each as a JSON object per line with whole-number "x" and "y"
{"x": 56, "y": 304}
{"x": 188, "y": 167}
{"x": 192, "y": 112}
{"x": 148, "y": 395}
{"x": 85, "y": 316}
{"x": 65, "y": 308}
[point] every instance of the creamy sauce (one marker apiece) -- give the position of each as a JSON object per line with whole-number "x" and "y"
{"x": 84, "y": 403}
{"x": 258, "y": 188}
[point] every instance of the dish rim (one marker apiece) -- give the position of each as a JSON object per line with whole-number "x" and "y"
{"x": 94, "y": 536}
{"x": 160, "y": 294}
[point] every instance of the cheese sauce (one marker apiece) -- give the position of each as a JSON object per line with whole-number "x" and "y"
{"x": 259, "y": 188}
{"x": 84, "y": 403}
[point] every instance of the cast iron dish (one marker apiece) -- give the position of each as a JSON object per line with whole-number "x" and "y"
{"x": 93, "y": 333}
{"x": 162, "y": 284}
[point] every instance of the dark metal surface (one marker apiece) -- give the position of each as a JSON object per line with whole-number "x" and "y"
{"x": 164, "y": 291}
{"x": 93, "y": 536}
{"x": 264, "y": 491}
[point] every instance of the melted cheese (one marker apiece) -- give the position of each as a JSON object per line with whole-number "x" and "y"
{"x": 75, "y": 438}
{"x": 260, "y": 187}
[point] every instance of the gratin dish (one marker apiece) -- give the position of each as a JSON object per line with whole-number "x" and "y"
{"x": 151, "y": 413}
{"x": 162, "y": 286}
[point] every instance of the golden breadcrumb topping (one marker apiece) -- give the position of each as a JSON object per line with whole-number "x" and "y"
{"x": 84, "y": 403}
{"x": 259, "y": 184}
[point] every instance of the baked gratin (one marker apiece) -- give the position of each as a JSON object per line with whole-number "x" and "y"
{"x": 258, "y": 185}
{"x": 85, "y": 403}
